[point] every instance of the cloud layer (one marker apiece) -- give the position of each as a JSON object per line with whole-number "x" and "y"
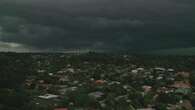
{"x": 135, "y": 25}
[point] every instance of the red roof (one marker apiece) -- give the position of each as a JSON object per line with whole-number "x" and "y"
{"x": 183, "y": 74}
{"x": 61, "y": 109}
{"x": 181, "y": 84}
{"x": 99, "y": 82}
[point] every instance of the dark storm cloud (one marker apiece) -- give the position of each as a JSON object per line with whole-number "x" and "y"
{"x": 100, "y": 24}
{"x": 79, "y": 32}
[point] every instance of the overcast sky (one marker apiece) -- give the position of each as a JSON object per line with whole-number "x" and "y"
{"x": 133, "y": 25}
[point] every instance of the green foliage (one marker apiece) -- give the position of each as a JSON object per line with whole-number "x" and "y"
{"x": 148, "y": 99}
{"x": 79, "y": 97}
{"x": 169, "y": 98}
{"x": 192, "y": 79}
{"x": 11, "y": 98}
{"x": 161, "y": 106}
{"x": 12, "y": 75}
{"x": 137, "y": 99}
{"x": 192, "y": 99}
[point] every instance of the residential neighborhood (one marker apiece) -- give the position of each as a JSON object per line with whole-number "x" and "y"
{"x": 96, "y": 82}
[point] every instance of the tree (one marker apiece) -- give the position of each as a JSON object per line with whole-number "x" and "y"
{"x": 192, "y": 79}
{"x": 11, "y": 98}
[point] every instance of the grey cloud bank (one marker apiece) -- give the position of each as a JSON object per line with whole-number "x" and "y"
{"x": 133, "y": 25}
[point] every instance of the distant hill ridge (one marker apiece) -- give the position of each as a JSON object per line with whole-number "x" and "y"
{"x": 175, "y": 51}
